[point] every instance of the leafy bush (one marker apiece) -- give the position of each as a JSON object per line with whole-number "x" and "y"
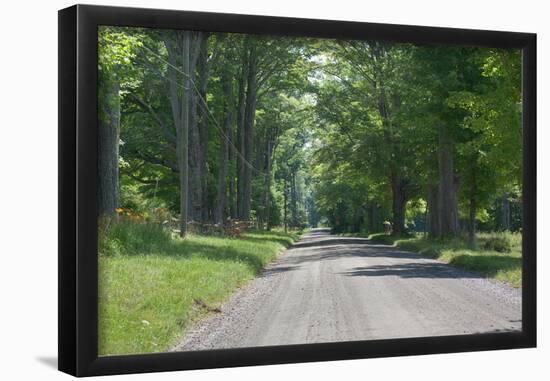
{"x": 110, "y": 246}
{"x": 498, "y": 242}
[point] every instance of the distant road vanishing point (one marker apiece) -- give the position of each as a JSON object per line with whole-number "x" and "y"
{"x": 328, "y": 288}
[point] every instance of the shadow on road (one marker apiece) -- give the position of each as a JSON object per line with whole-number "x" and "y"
{"x": 323, "y": 243}
{"x": 362, "y": 250}
{"x": 324, "y": 247}
{"x": 277, "y": 270}
{"x": 412, "y": 270}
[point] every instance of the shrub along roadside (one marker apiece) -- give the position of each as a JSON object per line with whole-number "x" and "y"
{"x": 496, "y": 255}
{"x": 149, "y": 279}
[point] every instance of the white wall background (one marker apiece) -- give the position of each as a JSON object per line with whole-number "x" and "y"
{"x": 28, "y": 186}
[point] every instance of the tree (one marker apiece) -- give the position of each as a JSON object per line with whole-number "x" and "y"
{"x": 290, "y": 131}
{"x": 224, "y": 138}
{"x": 183, "y": 134}
{"x": 374, "y": 72}
{"x": 115, "y": 51}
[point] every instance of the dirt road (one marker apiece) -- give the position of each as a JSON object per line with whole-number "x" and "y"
{"x": 328, "y": 288}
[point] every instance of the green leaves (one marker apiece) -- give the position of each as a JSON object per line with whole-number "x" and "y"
{"x": 382, "y": 106}
{"x": 351, "y": 119}
{"x": 117, "y": 48}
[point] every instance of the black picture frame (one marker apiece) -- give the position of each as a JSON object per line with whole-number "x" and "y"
{"x": 78, "y": 264}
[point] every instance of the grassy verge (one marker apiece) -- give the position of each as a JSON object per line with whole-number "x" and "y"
{"x": 504, "y": 264}
{"x": 148, "y": 280}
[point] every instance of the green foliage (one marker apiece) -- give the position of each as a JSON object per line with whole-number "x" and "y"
{"x": 348, "y": 117}
{"x": 475, "y": 94}
{"x": 116, "y": 49}
{"x": 500, "y": 242}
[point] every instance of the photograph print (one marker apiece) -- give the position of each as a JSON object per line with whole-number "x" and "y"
{"x": 258, "y": 190}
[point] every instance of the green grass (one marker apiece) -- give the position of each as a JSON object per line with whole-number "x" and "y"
{"x": 148, "y": 279}
{"x": 504, "y": 265}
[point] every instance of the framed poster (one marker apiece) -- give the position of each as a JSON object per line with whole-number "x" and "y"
{"x": 241, "y": 190}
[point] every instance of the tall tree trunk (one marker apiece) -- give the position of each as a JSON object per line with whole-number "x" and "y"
{"x": 293, "y": 201}
{"x": 195, "y": 186}
{"x": 203, "y": 70}
{"x": 448, "y": 208}
{"x": 399, "y": 202}
{"x": 241, "y": 136}
{"x": 108, "y": 146}
{"x": 285, "y": 204}
{"x": 183, "y": 154}
{"x": 358, "y": 219}
{"x": 434, "y": 229}
{"x": 372, "y": 218}
{"x": 195, "y": 146}
{"x": 505, "y": 213}
{"x": 472, "y": 222}
{"x": 267, "y": 197}
{"x": 221, "y": 198}
{"x": 232, "y": 197}
{"x": 473, "y": 210}
{"x": 180, "y": 114}
{"x": 250, "y": 113}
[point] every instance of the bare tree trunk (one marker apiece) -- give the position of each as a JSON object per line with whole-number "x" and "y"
{"x": 250, "y": 112}
{"x": 267, "y": 197}
{"x": 180, "y": 114}
{"x": 372, "y": 218}
{"x": 358, "y": 219}
{"x": 224, "y": 148}
{"x": 293, "y": 201}
{"x": 505, "y": 213}
{"x": 240, "y": 136}
{"x": 184, "y": 135}
{"x": 285, "y": 207}
{"x": 195, "y": 186}
{"x": 108, "y": 147}
{"x": 399, "y": 202}
{"x": 232, "y": 197}
{"x": 195, "y": 146}
{"x": 203, "y": 70}
{"x": 472, "y": 223}
{"x": 433, "y": 227}
{"x": 221, "y": 199}
{"x": 448, "y": 208}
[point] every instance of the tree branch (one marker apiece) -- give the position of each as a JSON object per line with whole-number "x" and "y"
{"x": 166, "y": 131}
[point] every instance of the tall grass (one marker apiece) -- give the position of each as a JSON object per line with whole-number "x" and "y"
{"x": 148, "y": 279}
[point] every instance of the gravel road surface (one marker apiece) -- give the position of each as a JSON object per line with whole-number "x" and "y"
{"x": 328, "y": 288}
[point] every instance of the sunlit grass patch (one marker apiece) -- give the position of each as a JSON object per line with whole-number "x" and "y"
{"x": 149, "y": 278}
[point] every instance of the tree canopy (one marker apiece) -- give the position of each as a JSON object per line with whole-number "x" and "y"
{"x": 296, "y": 131}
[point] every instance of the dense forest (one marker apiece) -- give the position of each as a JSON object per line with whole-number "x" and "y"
{"x": 198, "y": 128}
